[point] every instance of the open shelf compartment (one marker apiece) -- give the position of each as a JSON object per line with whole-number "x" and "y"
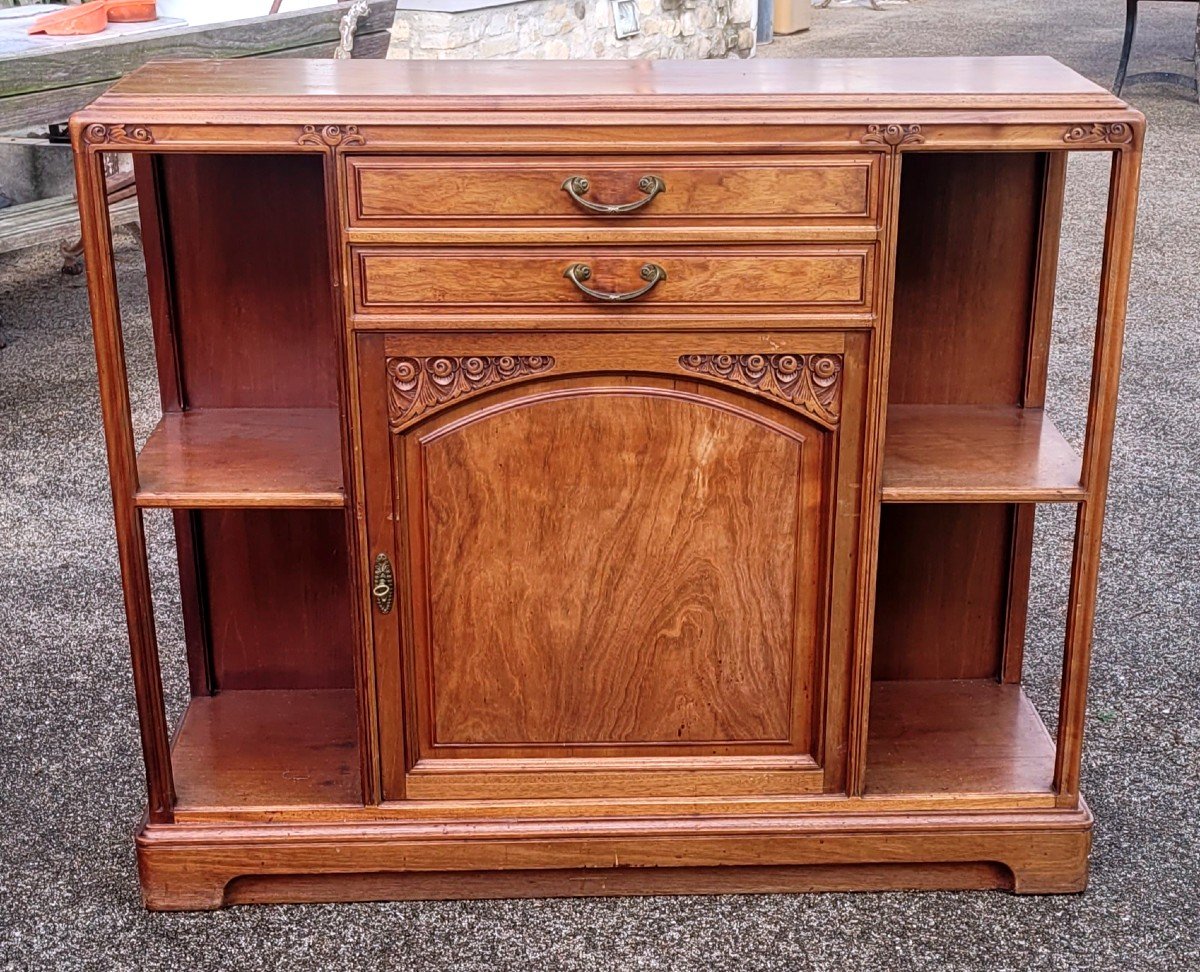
{"x": 957, "y": 736}
{"x": 977, "y": 454}
{"x": 268, "y": 749}
{"x": 245, "y": 457}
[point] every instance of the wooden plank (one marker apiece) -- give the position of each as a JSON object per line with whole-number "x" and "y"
{"x": 971, "y": 736}
{"x": 108, "y": 58}
{"x": 268, "y": 749}
{"x": 802, "y": 84}
{"x": 52, "y": 220}
{"x": 39, "y": 108}
{"x": 243, "y": 457}
{"x": 976, "y": 454}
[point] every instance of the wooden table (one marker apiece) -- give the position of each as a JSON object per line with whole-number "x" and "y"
{"x": 44, "y": 80}
{"x": 43, "y": 83}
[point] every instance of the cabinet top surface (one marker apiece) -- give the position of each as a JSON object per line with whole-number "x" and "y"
{"x": 995, "y": 83}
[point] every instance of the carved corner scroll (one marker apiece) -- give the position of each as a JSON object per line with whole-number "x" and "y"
{"x": 808, "y": 382}
{"x": 893, "y": 135}
{"x": 118, "y": 135}
{"x": 1110, "y": 133}
{"x": 416, "y": 385}
{"x": 331, "y": 136}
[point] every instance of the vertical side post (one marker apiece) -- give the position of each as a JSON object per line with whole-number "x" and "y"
{"x": 122, "y": 465}
{"x": 873, "y": 451}
{"x": 1033, "y": 395}
{"x": 1097, "y": 450}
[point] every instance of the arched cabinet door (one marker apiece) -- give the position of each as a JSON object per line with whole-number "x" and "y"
{"x": 611, "y": 563}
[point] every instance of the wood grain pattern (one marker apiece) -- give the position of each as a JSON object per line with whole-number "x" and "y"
{"x": 856, "y": 83}
{"x": 652, "y": 577}
{"x": 189, "y": 867}
{"x": 268, "y": 749}
{"x": 976, "y": 736}
{"x": 978, "y": 454}
{"x": 108, "y": 57}
{"x": 583, "y": 361}
{"x": 278, "y": 598}
{"x": 529, "y": 191}
{"x": 251, "y": 280}
{"x": 616, "y": 881}
{"x": 965, "y": 258}
{"x": 941, "y": 590}
{"x": 531, "y": 276}
{"x": 271, "y": 457}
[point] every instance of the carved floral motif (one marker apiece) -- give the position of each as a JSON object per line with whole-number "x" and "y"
{"x": 811, "y": 382}
{"x": 893, "y": 135}
{"x": 331, "y": 136}
{"x": 119, "y": 134}
{"x": 418, "y": 384}
{"x": 1114, "y": 133}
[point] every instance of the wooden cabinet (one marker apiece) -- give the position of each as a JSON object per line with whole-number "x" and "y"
{"x": 604, "y": 478}
{"x": 611, "y": 559}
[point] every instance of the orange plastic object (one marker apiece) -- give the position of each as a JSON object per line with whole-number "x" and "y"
{"x": 131, "y": 11}
{"x": 88, "y": 18}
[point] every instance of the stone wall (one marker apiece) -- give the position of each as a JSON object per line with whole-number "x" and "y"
{"x": 559, "y": 29}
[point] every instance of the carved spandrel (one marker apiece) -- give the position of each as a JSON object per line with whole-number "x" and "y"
{"x": 893, "y": 135}
{"x": 1110, "y": 133}
{"x": 808, "y": 382}
{"x": 118, "y": 135}
{"x": 416, "y": 385}
{"x": 331, "y": 136}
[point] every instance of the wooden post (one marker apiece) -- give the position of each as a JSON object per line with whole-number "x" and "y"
{"x": 122, "y": 464}
{"x": 1097, "y": 448}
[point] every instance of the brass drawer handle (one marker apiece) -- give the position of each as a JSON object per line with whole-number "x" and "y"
{"x": 384, "y": 590}
{"x": 577, "y": 186}
{"x": 577, "y": 273}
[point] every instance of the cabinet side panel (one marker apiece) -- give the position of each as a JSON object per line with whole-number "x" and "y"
{"x": 942, "y": 593}
{"x": 250, "y": 280}
{"x": 965, "y": 267}
{"x": 279, "y": 599}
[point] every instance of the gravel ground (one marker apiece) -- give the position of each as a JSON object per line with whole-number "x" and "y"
{"x": 72, "y": 788}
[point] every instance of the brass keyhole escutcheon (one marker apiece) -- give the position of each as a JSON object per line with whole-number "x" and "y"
{"x": 384, "y": 590}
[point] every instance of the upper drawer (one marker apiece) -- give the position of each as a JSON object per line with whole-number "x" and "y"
{"x": 549, "y": 192}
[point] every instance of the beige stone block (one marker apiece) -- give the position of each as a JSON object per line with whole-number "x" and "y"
{"x": 504, "y": 46}
{"x": 433, "y": 40}
{"x": 501, "y": 24}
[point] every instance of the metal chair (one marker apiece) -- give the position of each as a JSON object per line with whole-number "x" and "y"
{"x": 1191, "y": 84}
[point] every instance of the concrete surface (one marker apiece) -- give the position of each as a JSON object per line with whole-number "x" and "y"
{"x": 70, "y": 782}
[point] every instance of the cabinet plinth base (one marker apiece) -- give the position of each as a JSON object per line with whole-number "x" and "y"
{"x": 195, "y": 867}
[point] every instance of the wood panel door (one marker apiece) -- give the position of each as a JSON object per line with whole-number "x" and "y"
{"x": 611, "y": 562}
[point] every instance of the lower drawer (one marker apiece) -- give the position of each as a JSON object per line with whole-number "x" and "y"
{"x": 823, "y": 278}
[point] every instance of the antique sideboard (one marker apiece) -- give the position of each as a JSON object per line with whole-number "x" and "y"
{"x": 605, "y": 477}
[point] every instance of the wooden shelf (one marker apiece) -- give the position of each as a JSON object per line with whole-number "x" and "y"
{"x": 973, "y": 736}
{"x": 246, "y": 749}
{"x": 977, "y": 454}
{"x": 243, "y": 457}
